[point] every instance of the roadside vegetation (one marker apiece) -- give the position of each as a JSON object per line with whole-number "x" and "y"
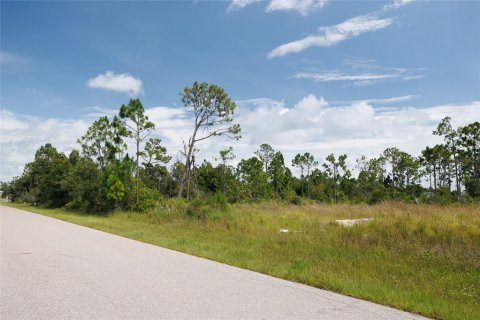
{"x": 102, "y": 176}
{"x": 420, "y": 258}
{"x": 421, "y": 251}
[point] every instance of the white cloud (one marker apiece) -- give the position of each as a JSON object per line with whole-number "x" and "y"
{"x": 329, "y": 76}
{"x": 240, "y": 4}
{"x": 332, "y": 35}
{"x": 303, "y": 7}
{"x": 358, "y": 79}
{"x": 97, "y": 111}
{"x": 397, "y": 4}
{"x": 9, "y": 122}
{"x": 22, "y": 135}
{"x": 356, "y": 128}
{"x": 415, "y": 77}
{"x": 123, "y": 82}
{"x": 335, "y": 34}
{"x": 390, "y": 100}
{"x": 172, "y": 124}
{"x": 361, "y": 72}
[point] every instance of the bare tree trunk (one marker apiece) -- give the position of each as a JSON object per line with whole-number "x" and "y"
{"x": 186, "y": 172}
{"x": 188, "y": 161}
{"x": 182, "y": 181}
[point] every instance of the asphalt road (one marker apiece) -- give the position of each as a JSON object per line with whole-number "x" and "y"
{"x": 52, "y": 269}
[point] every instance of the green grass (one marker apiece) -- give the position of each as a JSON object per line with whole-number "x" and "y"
{"x": 420, "y": 258}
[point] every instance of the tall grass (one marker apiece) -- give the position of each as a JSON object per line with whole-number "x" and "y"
{"x": 420, "y": 258}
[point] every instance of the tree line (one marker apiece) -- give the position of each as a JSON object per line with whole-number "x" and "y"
{"x": 101, "y": 176}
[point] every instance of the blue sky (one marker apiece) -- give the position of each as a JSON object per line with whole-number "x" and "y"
{"x": 397, "y": 58}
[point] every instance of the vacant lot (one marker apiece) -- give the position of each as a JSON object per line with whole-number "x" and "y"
{"x": 420, "y": 258}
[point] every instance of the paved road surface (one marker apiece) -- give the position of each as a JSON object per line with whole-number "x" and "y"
{"x": 52, "y": 269}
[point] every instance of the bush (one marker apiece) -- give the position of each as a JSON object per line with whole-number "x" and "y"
{"x": 203, "y": 207}
{"x": 27, "y": 197}
{"x": 148, "y": 198}
{"x": 442, "y": 196}
{"x": 291, "y": 196}
{"x": 171, "y": 208}
{"x": 175, "y": 204}
{"x": 218, "y": 201}
{"x": 296, "y": 200}
{"x": 198, "y": 208}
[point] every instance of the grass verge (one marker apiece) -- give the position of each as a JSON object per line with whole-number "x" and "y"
{"x": 420, "y": 258}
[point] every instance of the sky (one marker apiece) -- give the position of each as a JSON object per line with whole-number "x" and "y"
{"x": 321, "y": 76}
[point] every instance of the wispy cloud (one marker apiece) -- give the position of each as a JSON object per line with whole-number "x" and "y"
{"x": 123, "y": 82}
{"x": 361, "y": 72}
{"x": 397, "y": 4}
{"x": 378, "y": 103}
{"x": 335, "y": 34}
{"x": 332, "y": 35}
{"x": 304, "y": 7}
{"x": 239, "y": 4}
{"x": 358, "y": 79}
{"x": 415, "y": 77}
{"x": 326, "y": 77}
{"x": 97, "y": 111}
{"x": 390, "y": 100}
